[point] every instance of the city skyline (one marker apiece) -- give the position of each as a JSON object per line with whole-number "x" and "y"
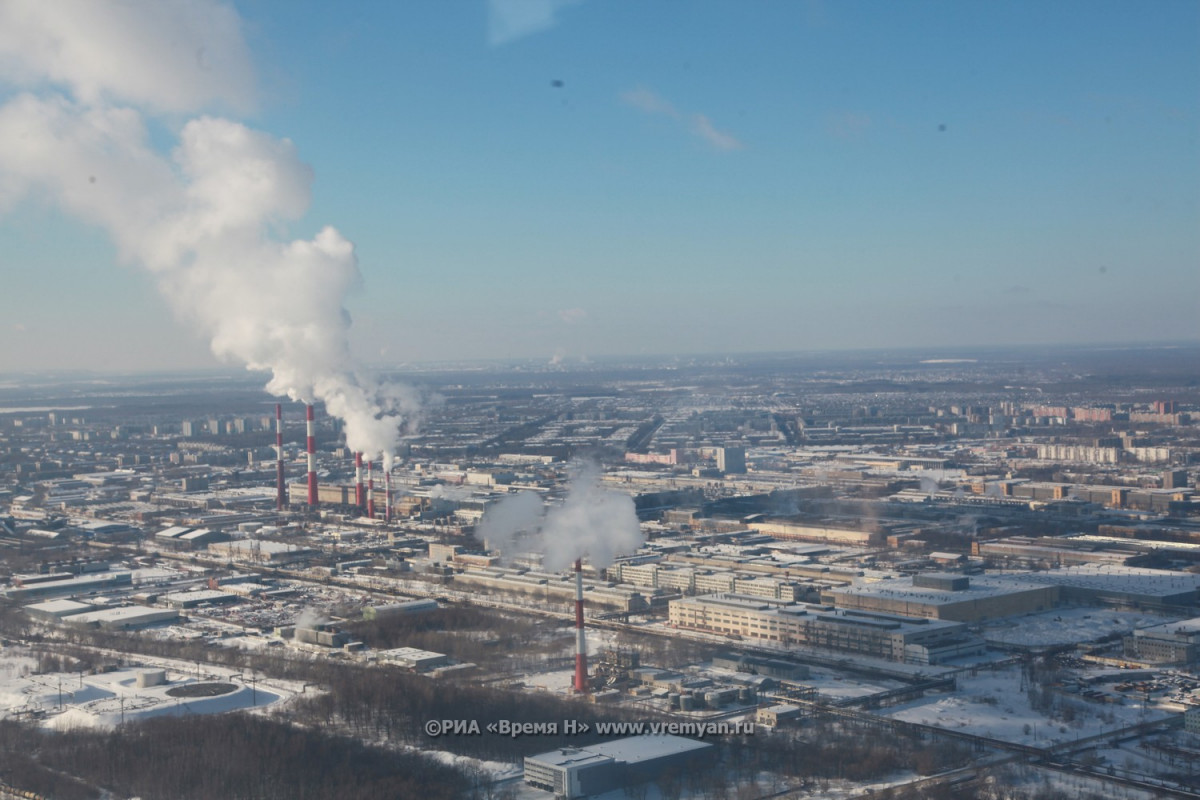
{"x": 572, "y": 180}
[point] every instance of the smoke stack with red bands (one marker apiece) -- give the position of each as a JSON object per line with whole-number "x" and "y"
{"x": 370, "y": 492}
{"x": 312, "y": 456}
{"x": 387, "y": 508}
{"x": 581, "y": 684}
{"x": 279, "y": 497}
{"x": 359, "y": 499}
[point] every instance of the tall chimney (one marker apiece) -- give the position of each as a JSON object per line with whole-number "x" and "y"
{"x": 387, "y": 508}
{"x": 370, "y": 492}
{"x": 580, "y": 644}
{"x": 359, "y": 499}
{"x": 279, "y": 497}
{"x": 312, "y": 457}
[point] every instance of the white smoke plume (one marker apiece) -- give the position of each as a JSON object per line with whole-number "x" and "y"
{"x": 208, "y": 219}
{"x": 449, "y": 492}
{"x": 591, "y": 522}
{"x": 311, "y": 619}
{"x": 513, "y": 517}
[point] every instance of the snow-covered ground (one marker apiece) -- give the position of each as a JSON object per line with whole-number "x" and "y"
{"x": 1067, "y": 626}
{"x": 994, "y": 704}
{"x": 104, "y": 700}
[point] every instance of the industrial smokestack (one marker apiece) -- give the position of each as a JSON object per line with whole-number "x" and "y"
{"x": 581, "y": 684}
{"x": 312, "y": 457}
{"x": 370, "y": 492}
{"x": 279, "y": 497}
{"x": 359, "y": 498}
{"x": 387, "y": 496}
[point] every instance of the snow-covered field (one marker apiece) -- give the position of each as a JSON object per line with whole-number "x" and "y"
{"x": 995, "y": 704}
{"x": 104, "y": 700}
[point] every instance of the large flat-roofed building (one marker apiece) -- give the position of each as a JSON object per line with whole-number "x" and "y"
{"x": 960, "y": 598}
{"x": 260, "y": 551}
{"x": 817, "y": 533}
{"x": 579, "y": 772}
{"x": 122, "y": 618}
{"x": 1119, "y": 586}
{"x": 1173, "y": 643}
{"x": 83, "y": 584}
{"x": 916, "y": 641}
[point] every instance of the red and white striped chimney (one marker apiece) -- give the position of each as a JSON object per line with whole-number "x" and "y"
{"x": 312, "y": 456}
{"x": 387, "y": 495}
{"x": 581, "y": 684}
{"x": 279, "y": 497}
{"x": 359, "y": 499}
{"x": 370, "y": 492}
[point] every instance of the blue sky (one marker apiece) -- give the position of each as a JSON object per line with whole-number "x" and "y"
{"x": 704, "y": 177}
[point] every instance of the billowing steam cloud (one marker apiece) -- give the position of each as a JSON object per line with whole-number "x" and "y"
{"x": 205, "y": 220}
{"x": 592, "y": 521}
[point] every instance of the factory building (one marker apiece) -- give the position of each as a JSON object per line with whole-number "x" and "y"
{"x": 946, "y": 596}
{"x": 83, "y": 584}
{"x": 552, "y": 588}
{"x": 579, "y": 772}
{"x": 1173, "y": 644}
{"x": 123, "y": 618}
{"x": 414, "y": 658}
{"x": 259, "y": 551}
{"x": 914, "y": 641}
{"x": 818, "y": 533}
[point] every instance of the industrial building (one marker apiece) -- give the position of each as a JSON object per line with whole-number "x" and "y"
{"x": 122, "y": 618}
{"x": 414, "y": 658}
{"x": 914, "y": 641}
{"x": 75, "y": 585}
{"x": 579, "y": 772}
{"x": 946, "y": 596}
{"x": 260, "y": 551}
{"x": 1174, "y": 644}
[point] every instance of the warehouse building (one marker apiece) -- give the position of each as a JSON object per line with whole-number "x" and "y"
{"x": 122, "y": 618}
{"x": 579, "y": 772}
{"x": 83, "y": 584}
{"x": 913, "y": 641}
{"x": 948, "y": 596}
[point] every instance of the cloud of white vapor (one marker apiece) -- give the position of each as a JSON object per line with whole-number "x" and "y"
{"x": 592, "y": 522}
{"x": 206, "y": 219}
{"x": 700, "y": 125}
{"x": 513, "y": 517}
{"x": 509, "y": 20}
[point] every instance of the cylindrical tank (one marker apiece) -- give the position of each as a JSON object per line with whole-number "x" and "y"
{"x": 687, "y": 702}
{"x": 673, "y": 700}
{"x": 746, "y": 695}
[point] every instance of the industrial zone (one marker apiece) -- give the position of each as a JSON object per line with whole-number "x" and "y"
{"x": 1010, "y": 577}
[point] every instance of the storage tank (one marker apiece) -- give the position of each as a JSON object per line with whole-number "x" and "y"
{"x": 687, "y": 702}
{"x": 746, "y": 694}
{"x": 673, "y": 699}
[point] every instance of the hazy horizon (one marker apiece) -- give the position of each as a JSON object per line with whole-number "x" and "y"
{"x": 579, "y": 180}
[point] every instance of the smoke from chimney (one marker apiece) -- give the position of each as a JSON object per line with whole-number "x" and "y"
{"x": 591, "y": 521}
{"x": 205, "y": 218}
